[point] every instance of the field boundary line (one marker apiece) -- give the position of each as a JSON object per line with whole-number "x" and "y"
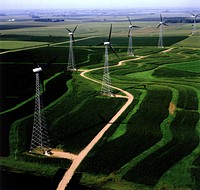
{"x": 79, "y": 158}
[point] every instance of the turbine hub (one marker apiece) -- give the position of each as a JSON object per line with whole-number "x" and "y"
{"x": 37, "y": 70}
{"x": 106, "y": 43}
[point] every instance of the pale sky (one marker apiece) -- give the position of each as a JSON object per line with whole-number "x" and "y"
{"x": 71, "y": 4}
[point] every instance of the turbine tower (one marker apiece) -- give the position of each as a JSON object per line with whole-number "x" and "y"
{"x": 40, "y": 138}
{"x": 106, "y": 81}
{"x": 160, "y": 25}
{"x": 130, "y": 45}
{"x": 194, "y": 23}
{"x": 71, "y": 61}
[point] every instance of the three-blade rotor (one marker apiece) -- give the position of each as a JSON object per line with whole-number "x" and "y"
{"x": 131, "y": 26}
{"x": 72, "y": 32}
{"x": 161, "y": 22}
{"x": 195, "y": 16}
{"x": 108, "y": 43}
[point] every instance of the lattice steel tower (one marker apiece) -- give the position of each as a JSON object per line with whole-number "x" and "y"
{"x": 40, "y": 138}
{"x": 194, "y": 28}
{"x": 106, "y": 81}
{"x": 130, "y": 42}
{"x": 160, "y": 25}
{"x": 160, "y": 41}
{"x": 130, "y": 45}
{"x": 71, "y": 60}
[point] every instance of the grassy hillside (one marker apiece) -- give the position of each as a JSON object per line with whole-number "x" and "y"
{"x": 155, "y": 142}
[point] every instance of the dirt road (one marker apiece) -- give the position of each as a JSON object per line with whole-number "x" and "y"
{"x": 79, "y": 158}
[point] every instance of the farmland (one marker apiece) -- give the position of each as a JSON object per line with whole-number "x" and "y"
{"x": 154, "y": 144}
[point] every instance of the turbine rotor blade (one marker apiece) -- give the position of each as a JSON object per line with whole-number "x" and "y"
{"x": 113, "y": 50}
{"x": 192, "y": 14}
{"x": 165, "y": 24}
{"x": 51, "y": 61}
{"x": 197, "y": 15}
{"x": 41, "y": 81}
{"x": 129, "y": 20}
{"x": 68, "y": 30}
{"x": 135, "y": 26}
{"x": 158, "y": 25}
{"x": 100, "y": 44}
{"x": 110, "y": 33}
{"x": 34, "y": 62}
{"x": 129, "y": 33}
{"x": 161, "y": 18}
{"x": 75, "y": 28}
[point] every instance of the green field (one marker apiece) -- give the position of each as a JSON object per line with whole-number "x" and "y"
{"x": 154, "y": 144}
{"x": 193, "y": 66}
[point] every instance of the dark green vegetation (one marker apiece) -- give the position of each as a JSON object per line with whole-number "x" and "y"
{"x": 143, "y": 131}
{"x": 155, "y": 139}
{"x": 185, "y": 139}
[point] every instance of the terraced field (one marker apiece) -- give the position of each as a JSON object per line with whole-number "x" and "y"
{"x": 154, "y": 143}
{"x": 134, "y": 161}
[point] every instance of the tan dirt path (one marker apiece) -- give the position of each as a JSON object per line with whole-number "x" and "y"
{"x": 79, "y": 158}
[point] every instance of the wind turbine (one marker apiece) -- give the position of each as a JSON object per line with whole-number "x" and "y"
{"x": 71, "y": 61}
{"x": 130, "y": 46}
{"x": 160, "y": 25}
{"x": 40, "y": 138}
{"x": 106, "y": 82}
{"x": 194, "y": 23}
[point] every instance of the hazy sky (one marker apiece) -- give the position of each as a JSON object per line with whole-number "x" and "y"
{"x": 68, "y": 4}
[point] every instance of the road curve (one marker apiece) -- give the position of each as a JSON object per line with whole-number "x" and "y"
{"x": 79, "y": 158}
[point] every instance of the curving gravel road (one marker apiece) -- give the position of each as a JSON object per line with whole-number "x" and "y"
{"x": 79, "y": 158}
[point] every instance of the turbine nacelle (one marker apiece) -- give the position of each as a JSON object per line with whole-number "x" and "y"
{"x": 37, "y": 70}
{"x": 71, "y": 33}
{"x": 106, "y": 43}
{"x": 130, "y": 26}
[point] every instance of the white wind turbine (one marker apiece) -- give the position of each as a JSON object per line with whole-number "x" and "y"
{"x": 71, "y": 60}
{"x": 160, "y": 25}
{"x": 130, "y": 44}
{"x": 194, "y": 28}
{"x": 40, "y": 137}
{"x": 106, "y": 82}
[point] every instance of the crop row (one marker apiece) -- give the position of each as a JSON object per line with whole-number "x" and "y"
{"x": 18, "y": 83}
{"x": 27, "y": 110}
{"x": 196, "y": 171}
{"x": 171, "y": 73}
{"x": 117, "y": 41}
{"x": 45, "y": 54}
{"x": 143, "y": 131}
{"x": 69, "y": 128}
{"x": 184, "y": 141}
{"x": 187, "y": 99}
{"x": 74, "y": 130}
